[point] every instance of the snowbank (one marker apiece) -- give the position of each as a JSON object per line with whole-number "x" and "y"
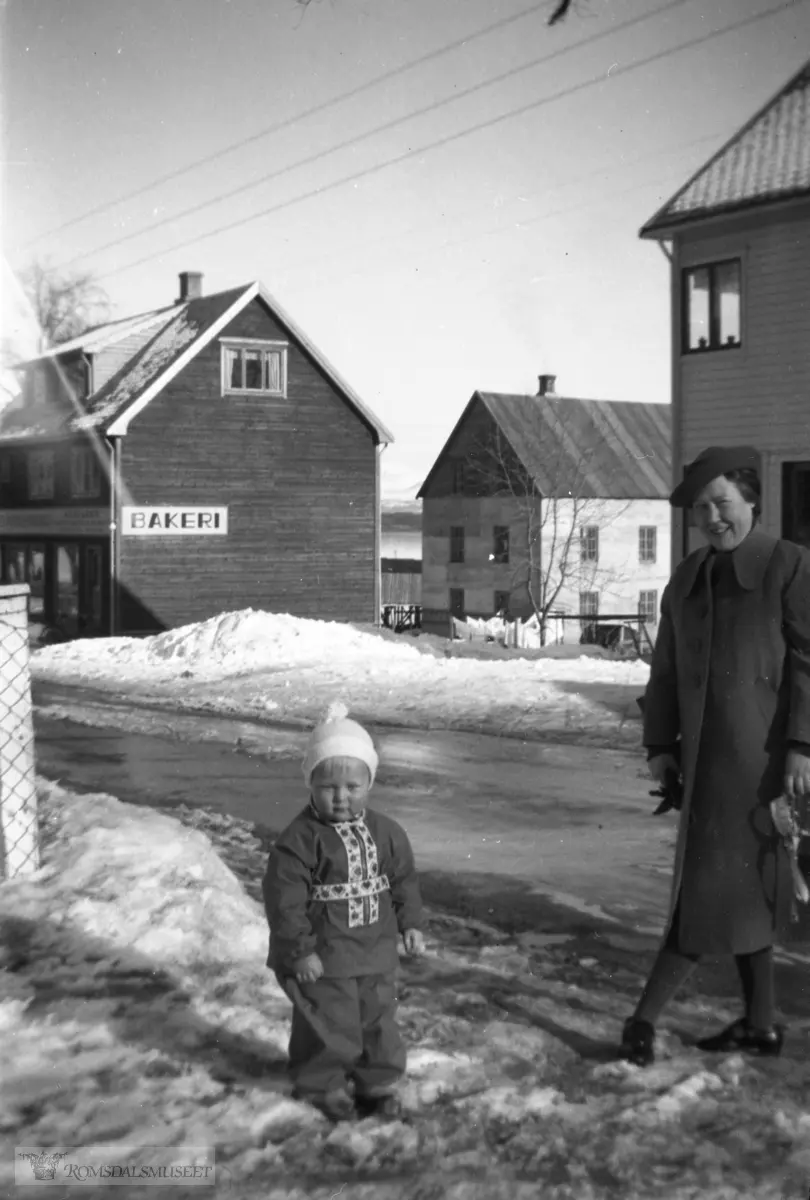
{"x": 135, "y": 1010}
{"x": 265, "y": 664}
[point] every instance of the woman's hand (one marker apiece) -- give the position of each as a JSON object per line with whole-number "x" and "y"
{"x": 797, "y": 774}
{"x": 308, "y": 969}
{"x": 414, "y": 942}
{"x": 662, "y": 763}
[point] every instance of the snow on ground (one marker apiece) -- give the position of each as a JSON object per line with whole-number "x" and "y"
{"x": 136, "y": 1009}
{"x": 286, "y": 668}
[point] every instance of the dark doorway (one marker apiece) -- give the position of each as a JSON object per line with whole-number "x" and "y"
{"x": 796, "y": 502}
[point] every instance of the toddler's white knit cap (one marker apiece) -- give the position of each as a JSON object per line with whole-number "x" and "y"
{"x": 338, "y": 737}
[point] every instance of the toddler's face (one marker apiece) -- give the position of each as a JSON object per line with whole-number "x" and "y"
{"x": 340, "y": 787}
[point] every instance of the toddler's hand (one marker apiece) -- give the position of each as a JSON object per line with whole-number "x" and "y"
{"x": 308, "y": 969}
{"x": 414, "y": 941}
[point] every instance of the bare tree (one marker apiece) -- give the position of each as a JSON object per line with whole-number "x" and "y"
{"x": 64, "y": 304}
{"x": 550, "y": 557}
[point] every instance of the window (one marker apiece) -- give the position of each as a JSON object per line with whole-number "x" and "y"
{"x": 711, "y": 306}
{"x": 500, "y": 544}
{"x": 456, "y": 543}
{"x": 457, "y": 602}
{"x": 85, "y": 477}
{"x": 588, "y": 607}
{"x": 23, "y": 563}
{"x": 648, "y": 606}
{"x": 502, "y": 602}
{"x": 589, "y": 543}
{"x": 40, "y": 475}
{"x": 647, "y": 543}
{"x": 255, "y": 368}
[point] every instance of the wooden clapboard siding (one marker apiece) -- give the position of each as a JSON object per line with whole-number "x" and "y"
{"x": 298, "y": 477}
{"x": 759, "y": 393}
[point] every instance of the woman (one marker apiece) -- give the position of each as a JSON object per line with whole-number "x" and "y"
{"x": 728, "y": 706}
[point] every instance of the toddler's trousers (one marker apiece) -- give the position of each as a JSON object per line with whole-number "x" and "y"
{"x": 341, "y": 1029}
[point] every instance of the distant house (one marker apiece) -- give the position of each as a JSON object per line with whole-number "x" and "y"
{"x": 738, "y": 238}
{"x": 548, "y": 503}
{"x": 200, "y": 458}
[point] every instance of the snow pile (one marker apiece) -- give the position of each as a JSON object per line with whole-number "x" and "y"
{"x": 135, "y": 1010}
{"x": 258, "y": 664}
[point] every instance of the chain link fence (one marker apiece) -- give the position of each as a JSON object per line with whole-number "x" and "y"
{"x": 19, "y": 830}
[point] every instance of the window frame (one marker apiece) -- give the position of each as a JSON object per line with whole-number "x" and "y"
{"x": 460, "y": 469}
{"x": 245, "y": 346}
{"x": 461, "y": 613}
{"x": 501, "y": 594}
{"x": 501, "y": 545}
{"x": 585, "y": 532}
{"x": 457, "y": 544}
{"x": 654, "y": 608}
{"x": 642, "y": 546}
{"x": 43, "y": 455}
{"x": 91, "y": 471}
{"x": 714, "y": 343}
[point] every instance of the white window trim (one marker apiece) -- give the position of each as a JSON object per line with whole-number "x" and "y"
{"x": 227, "y": 344}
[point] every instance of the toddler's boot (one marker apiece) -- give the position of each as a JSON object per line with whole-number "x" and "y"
{"x": 638, "y": 1042}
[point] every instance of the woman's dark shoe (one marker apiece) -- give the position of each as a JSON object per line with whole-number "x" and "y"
{"x": 387, "y": 1107}
{"x": 742, "y": 1036}
{"x": 638, "y": 1041}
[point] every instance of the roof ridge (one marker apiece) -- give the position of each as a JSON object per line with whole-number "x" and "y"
{"x": 791, "y": 85}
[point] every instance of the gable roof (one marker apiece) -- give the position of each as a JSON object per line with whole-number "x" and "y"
{"x": 591, "y": 449}
{"x": 767, "y": 160}
{"x": 169, "y": 339}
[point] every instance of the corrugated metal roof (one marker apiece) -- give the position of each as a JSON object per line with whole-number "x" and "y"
{"x": 767, "y": 160}
{"x": 590, "y": 449}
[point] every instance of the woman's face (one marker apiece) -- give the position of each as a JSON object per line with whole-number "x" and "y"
{"x": 722, "y": 515}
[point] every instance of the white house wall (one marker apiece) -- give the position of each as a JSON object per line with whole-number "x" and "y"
{"x": 757, "y": 394}
{"x": 619, "y": 576}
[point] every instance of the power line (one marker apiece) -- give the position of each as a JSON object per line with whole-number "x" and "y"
{"x": 601, "y": 172}
{"x": 386, "y": 127}
{"x": 395, "y": 160}
{"x": 278, "y": 126}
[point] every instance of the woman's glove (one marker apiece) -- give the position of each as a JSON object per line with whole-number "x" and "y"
{"x": 414, "y": 942}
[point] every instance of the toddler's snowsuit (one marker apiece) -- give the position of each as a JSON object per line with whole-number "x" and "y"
{"x": 343, "y": 891}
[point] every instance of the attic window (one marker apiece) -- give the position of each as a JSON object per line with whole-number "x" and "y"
{"x": 254, "y": 368}
{"x": 711, "y": 307}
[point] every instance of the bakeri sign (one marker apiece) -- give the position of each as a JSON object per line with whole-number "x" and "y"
{"x": 174, "y": 522}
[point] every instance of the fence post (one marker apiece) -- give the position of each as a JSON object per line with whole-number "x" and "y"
{"x": 19, "y": 831}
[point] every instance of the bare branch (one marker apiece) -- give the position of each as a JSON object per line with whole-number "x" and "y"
{"x": 63, "y": 304}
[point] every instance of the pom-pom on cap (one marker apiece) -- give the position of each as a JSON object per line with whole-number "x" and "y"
{"x": 336, "y": 736}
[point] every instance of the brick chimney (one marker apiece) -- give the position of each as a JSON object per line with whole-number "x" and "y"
{"x": 190, "y": 286}
{"x": 546, "y": 385}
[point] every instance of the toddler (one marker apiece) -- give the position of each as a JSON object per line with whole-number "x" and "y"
{"x": 339, "y": 888}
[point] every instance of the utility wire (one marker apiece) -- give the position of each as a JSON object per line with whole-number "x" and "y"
{"x": 278, "y": 126}
{"x": 395, "y": 160}
{"x": 241, "y": 189}
{"x": 600, "y": 173}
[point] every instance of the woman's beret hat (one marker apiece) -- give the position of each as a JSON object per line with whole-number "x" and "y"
{"x": 709, "y": 464}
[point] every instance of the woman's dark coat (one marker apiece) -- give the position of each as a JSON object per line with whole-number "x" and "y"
{"x": 730, "y": 682}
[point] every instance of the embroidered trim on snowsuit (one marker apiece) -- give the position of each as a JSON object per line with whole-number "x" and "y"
{"x": 365, "y": 881}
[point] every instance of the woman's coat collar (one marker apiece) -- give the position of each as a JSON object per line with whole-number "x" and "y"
{"x": 750, "y": 561}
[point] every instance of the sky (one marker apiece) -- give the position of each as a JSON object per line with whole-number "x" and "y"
{"x": 502, "y": 241}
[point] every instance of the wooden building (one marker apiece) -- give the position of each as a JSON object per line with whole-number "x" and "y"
{"x": 738, "y": 238}
{"x": 198, "y": 459}
{"x": 544, "y": 497}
